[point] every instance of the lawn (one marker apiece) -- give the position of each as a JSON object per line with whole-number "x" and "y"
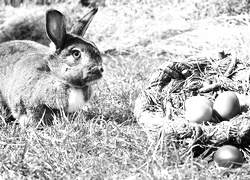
{"x": 105, "y": 141}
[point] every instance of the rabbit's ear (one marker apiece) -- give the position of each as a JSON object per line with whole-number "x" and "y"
{"x": 82, "y": 24}
{"x": 56, "y": 27}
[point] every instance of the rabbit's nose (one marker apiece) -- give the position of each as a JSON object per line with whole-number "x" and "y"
{"x": 101, "y": 69}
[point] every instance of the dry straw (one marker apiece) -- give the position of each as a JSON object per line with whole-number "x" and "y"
{"x": 159, "y": 107}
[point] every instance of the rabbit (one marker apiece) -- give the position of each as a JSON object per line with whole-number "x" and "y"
{"x": 37, "y": 80}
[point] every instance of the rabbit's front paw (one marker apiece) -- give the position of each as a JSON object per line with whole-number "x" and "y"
{"x": 25, "y": 121}
{"x": 77, "y": 99}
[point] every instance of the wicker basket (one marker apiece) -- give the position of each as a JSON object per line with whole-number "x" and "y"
{"x": 160, "y": 107}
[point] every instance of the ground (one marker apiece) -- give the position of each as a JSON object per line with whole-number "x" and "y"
{"x": 134, "y": 38}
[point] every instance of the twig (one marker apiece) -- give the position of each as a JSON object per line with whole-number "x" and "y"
{"x": 209, "y": 88}
{"x": 231, "y": 66}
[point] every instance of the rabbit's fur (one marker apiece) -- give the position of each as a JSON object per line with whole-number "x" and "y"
{"x": 36, "y": 81}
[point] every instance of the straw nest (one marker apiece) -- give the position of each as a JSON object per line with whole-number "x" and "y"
{"x": 160, "y": 106}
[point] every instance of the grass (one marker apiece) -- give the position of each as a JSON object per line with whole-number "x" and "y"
{"x": 134, "y": 38}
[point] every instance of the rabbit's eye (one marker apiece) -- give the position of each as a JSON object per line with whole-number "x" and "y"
{"x": 76, "y": 54}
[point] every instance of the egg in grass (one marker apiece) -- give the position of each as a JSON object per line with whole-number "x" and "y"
{"x": 228, "y": 156}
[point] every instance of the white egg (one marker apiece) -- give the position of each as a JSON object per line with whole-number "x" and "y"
{"x": 198, "y": 109}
